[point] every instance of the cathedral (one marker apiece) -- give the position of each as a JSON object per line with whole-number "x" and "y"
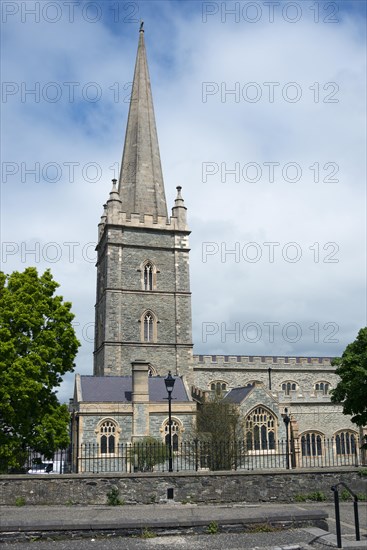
{"x": 143, "y": 329}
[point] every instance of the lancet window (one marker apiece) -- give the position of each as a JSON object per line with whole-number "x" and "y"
{"x": 149, "y": 327}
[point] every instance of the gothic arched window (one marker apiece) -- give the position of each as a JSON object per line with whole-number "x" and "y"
{"x": 260, "y": 426}
{"x": 148, "y": 275}
{"x": 218, "y": 387}
{"x": 346, "y": 443}
{"x": 312, "y": 444}
{"x": 148, "y": 327}
{"x": 323, "y": 387}
{"x": 289, "y": 386}
{"x": 176, "y": 430}
{"x": 107, "y": 437}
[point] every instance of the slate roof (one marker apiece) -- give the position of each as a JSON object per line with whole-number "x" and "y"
{"x": 237, "y": 395}
{"x": 111, "y": 389}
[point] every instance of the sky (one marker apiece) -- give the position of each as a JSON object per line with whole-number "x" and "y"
{"x": 261, "y": 118}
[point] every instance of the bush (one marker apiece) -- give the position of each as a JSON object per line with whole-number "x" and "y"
{"x": 113, "y": 497}
{"x": 212, "y": 528}
{"x": 147, "y": 453}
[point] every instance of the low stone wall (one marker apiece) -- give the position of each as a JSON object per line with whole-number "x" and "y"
{"x": 200, "y": 487}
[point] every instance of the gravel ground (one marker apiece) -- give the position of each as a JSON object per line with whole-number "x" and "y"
{"x": 293, "y": 540}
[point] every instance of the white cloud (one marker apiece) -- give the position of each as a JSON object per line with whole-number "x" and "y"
{"x": 183, "y": 52}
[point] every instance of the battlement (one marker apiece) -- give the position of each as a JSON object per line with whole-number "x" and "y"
{"x": 199, "y": 394}
{"x": 260, "y": 361}
{"x": 145, "y": 221}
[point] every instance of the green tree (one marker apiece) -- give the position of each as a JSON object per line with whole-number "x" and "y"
{"x": 147, "y": 453}
{"x": 351, "y": 391}
{"x": 37, "y": 347}
{"x": 219, "y": 431}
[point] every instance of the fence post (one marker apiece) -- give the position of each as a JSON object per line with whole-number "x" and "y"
{"x": 356, "y": 517}
{"x": 196, "y": 454}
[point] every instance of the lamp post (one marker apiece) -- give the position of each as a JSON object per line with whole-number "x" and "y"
{"x": 286, "y": 420}
{"x": 170, "y": 382}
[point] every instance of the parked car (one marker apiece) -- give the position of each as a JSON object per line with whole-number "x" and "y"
{"x": 41, "y": 468}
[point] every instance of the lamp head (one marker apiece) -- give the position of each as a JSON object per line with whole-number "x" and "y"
{"x": 170, "y": 382}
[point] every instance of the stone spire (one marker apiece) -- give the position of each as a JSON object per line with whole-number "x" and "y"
{"x": 141, "y": 186}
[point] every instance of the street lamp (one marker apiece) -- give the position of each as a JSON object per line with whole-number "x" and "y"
{"x": 170, "y": 382}
{"x": 286, "y": 420}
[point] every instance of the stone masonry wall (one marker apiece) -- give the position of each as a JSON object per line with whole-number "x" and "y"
{"x": 122, "y": 301}
{"x": 201, "y": 487}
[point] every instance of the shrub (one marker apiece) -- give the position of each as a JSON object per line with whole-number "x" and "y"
{"x": 212, "y": 528}
{"x": 113, "y": 497}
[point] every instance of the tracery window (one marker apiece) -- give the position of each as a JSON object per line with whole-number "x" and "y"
{"x": 176, "y": 430}
{"x": 312, "y": 444}
{"x": 152, "y": 371}
{"x": 107, "y": 433}
{"x": 289, "y": 386}
{"x": 260, "y": 426}
{"x": 345, "y": 443}
{"x": 323, "y": 387}
{"x": 218, "y": 387}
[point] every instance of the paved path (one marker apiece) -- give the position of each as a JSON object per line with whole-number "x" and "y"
{"x": 178, "y": 523}
{"x": 167, "y": 515}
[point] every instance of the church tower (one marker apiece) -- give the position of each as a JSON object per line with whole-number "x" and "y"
{"x": 143, "y": 303}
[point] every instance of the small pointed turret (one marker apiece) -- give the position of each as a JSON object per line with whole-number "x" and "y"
{"x": 113, "y": 204}
{"x": 141, "y": 186}
{"x": 102, "y": 221}
{"x": 114, "y": 195}
{"x": 179, "y": 210}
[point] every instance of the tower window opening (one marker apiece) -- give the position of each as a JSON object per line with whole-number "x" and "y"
{"x": 148, "y": 327}
{"x": 148, "y": 277}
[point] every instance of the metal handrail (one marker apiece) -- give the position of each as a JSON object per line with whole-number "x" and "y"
{"x": 334, "y": 488}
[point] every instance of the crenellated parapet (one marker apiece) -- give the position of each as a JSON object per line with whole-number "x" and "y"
{"x": 113, "y": 216}
{"x": 254, "y": 361}
{"x": 144, "y": 221}
{"x": 199, "y": 395}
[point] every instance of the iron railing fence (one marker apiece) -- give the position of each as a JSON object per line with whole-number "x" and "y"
{"x": 190, "y": 455}
{"x": 26, "y": 460}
